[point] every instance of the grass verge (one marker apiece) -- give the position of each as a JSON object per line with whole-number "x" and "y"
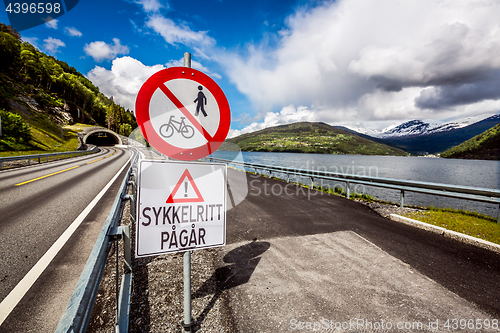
{"x": 44, "y": 141}
{"x": 469, "y": 223}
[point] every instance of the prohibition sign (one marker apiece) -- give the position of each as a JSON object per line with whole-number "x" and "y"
{"x": 183, "y": 113}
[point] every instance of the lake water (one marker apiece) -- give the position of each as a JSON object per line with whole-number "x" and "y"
{"x": 476, "y": 173}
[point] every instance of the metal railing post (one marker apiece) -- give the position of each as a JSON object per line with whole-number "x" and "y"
{"x": 132, "y": 203}
{"x": 402, "y": 198}
{"x": 127, "y": 249}
{"x": 347, "y": 190}
{"x": 134, "y": 187}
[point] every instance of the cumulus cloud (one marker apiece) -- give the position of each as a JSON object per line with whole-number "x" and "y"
{"x": 289, "y": 114}
{"x": 389, "y": 59}
{"x": 72, "y": 32}
{"x": 101, "y": 51}
{"x": 461, "y": 93}
{"x": 150, "y": 5}
{"x": 51, "y": 23}
{"x": 124, "y": 80}
{"x": 52, "y": 45}
{"x": 181, "y": 33}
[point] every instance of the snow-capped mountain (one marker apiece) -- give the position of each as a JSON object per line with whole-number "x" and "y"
{"x": 413, "y": 127}
{"x": 422, "y": 127}
{"x": 363, "y": 130}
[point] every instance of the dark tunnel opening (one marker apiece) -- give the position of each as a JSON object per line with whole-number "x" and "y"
{"x": 102, "y": 139}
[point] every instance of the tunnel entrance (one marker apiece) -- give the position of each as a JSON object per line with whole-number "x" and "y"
{"x": 102, "y": 138}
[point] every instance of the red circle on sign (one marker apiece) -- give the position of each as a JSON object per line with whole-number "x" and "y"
{"x": 142, "y": 104}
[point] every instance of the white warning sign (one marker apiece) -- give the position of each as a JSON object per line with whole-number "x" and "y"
{"x": 180, "y": 206}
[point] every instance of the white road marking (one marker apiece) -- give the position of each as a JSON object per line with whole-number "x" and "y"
{"x": 16, "y": 294}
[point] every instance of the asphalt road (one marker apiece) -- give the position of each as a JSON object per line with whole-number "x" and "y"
{"x": 37, "y": 204}
{"x": 297, "y": 254}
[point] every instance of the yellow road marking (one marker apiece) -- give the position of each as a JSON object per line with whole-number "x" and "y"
{"x": 103, "y": 157}
{"x": 55, "y": 173}
{"x": 95, "y": 160}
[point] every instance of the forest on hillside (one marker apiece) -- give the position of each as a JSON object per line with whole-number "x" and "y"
{"x": 27, "y": 72}
{"x": 485, "y": 146}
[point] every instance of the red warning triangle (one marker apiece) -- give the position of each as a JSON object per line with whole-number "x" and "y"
{"x": 185, "y": 175}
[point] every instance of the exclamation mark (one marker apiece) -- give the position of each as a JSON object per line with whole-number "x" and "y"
{"x": 185, "y": 189}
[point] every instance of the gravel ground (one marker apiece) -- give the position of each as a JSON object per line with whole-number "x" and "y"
{"x": 386, "y": 209}
{"x": 157, "y": 295}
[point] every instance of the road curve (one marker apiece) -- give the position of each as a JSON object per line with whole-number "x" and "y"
{"x": 37, "y": 204}
{"x": 300, "y": 235}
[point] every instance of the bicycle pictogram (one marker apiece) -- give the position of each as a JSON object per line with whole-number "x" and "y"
{"x": 167, "y": 130}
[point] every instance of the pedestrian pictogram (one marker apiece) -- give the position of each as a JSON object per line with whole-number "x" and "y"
{"x": 183, "y": 113}
{"x": 200, "y": 100}
{"x": 186, "y": 182}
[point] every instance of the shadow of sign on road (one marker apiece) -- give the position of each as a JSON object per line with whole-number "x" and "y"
{"x": 241, "y": 263}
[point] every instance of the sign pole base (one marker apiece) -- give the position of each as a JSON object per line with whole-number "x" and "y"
{"x": 187, "y": 323}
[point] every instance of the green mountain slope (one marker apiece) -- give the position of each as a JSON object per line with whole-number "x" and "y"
{"x": 485, "y": 146}
{"x": 305, "y": 137}
{"x": 46, "y": 94}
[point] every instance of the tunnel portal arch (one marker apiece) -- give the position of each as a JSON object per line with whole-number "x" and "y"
{"x": 102, "y": 137}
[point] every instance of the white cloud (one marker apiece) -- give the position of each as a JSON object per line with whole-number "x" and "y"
{"x": 52, "y": 24}
{"x": 150, "y": 5}
{"x": 124, "y": 80}
{"x": 52, "y": 45}
{"x": 179, "y": 33}
{"x": 101, "y": 51}
{"x": 72, "y": 32}
{"x": 289, "y": 114}
{"x": 360, "y": 59}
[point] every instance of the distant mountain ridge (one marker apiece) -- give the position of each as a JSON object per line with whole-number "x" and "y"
{"x": 306, "y": 137}
{"x": 419, "y": 137}
{"x": 422, "y": 127}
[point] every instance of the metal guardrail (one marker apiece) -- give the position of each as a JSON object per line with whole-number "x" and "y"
{"x": 454, "y": 191}
{"x": 39, "y": 157}
{"x": 77, "y": 314}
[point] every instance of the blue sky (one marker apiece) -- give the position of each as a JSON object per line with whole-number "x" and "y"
{"x": 346, "y": 62}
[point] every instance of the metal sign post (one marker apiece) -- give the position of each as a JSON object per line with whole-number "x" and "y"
{"x": 181, "y": 206}
{"x": 187, "y": 323}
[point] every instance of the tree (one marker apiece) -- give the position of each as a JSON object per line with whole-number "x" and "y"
{"x": 110, "y": 116}
{"x": 14, "y": 128}
{"x": 10, "y": 48}
{"x": 125, "y": 129}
